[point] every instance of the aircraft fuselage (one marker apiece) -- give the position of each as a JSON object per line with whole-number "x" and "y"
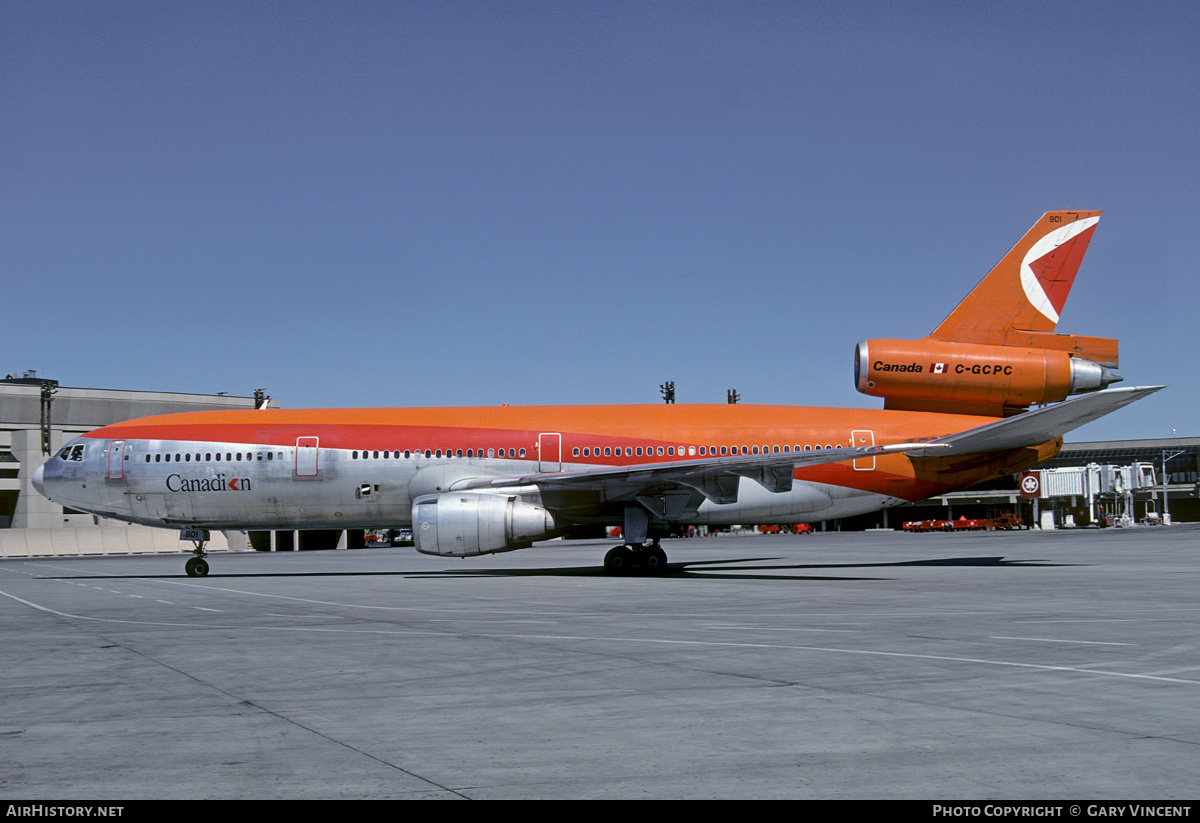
{"x": 284, "y": 469}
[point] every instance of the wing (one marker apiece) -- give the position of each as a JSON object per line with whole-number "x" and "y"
{"x": 1041, "y": 425}
{"x": 716, "y": 478}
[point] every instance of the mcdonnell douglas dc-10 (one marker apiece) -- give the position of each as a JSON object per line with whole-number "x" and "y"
{"x": 958, "y": 409}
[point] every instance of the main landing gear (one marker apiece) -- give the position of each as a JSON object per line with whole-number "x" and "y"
{"x": 197, "y": 566}
{"x": 636, "y": 559}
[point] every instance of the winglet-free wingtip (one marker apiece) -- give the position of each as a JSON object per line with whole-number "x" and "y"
{"x": 1141, "y": 391}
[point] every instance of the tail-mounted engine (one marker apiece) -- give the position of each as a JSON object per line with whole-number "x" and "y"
{"x": 974, "y": 378}
{"x": 464, "y": 524}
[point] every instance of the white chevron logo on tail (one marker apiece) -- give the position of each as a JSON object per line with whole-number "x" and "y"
{"x": 1034, "y": 290}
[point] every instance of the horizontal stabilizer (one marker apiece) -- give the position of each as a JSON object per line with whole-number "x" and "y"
{"x": 1041, "y": 425}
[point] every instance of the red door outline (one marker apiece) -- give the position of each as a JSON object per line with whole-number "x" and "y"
{"x": 116, "y": 459}
{"x": 549, "y": 452}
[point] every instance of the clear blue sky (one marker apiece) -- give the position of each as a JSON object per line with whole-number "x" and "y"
{"x": 475, "y": 203}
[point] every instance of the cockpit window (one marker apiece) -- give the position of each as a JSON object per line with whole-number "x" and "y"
{"x": 74, "y": 453}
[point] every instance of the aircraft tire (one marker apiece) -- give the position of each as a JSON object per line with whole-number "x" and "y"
{"x": 196, "y": 567}
{"x": 619, "y": 560}
{"x": 654, "y": 560}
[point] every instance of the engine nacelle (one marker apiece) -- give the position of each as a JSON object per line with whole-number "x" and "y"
{"x": 971, "y": 377}
{"x": 465, "y": 524}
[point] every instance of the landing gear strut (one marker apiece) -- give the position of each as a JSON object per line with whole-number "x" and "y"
{"x": 636, "y": 559}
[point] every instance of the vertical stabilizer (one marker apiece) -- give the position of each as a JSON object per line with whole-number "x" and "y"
{"x": 1027, "y": 289}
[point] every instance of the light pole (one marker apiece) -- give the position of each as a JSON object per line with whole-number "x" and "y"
{"x": 1167, "y": 484}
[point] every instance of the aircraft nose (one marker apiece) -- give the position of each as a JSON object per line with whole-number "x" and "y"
{"x": 37, "y": 479}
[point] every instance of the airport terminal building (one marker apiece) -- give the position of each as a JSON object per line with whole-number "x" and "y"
{"x": 1118, "y": 482}
{"x": 37, "y": 416}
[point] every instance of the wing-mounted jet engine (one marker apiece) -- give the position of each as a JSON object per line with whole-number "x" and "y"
{"x": 465, "y": 524}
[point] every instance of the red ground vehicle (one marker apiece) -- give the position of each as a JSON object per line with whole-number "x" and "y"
{"x": 795, "y": 528}
{"x": 1007, "y": 520}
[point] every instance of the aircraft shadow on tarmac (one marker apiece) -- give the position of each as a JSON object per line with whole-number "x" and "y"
{"x": 695, "y": 570}
{"x": 737, "y": 569}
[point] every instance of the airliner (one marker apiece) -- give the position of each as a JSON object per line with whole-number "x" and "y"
{"x": 990, "y": 392}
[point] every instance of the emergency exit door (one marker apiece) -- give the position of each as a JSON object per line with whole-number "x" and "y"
{"x": 306, "y": 456}
{"x": 863, "y": 437}
{"x": 549, "y": 452}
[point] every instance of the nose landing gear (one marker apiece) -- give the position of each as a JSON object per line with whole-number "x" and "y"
{"x": 196, "y": 566}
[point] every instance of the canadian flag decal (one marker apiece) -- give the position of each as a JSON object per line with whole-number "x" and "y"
{"x": 937, "y": 368}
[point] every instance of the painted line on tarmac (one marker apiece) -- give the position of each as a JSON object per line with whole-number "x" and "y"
{"x": 1054, "y": 640}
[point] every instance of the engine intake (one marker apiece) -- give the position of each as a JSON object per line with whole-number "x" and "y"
{"x": 465, "y": 524}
